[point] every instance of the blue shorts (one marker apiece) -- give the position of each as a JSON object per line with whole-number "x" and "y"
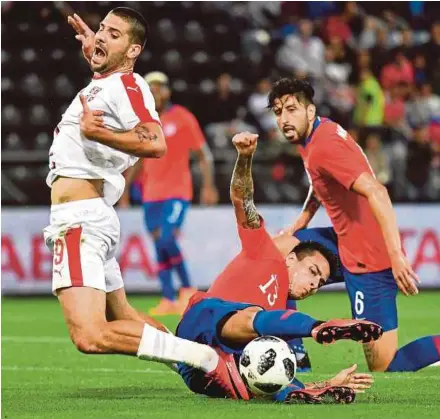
{"x": 168, "y": 214}
{"x": 201, "y": 323}
{"x": 372, "y": 295}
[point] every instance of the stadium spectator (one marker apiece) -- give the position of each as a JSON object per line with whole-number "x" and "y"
{"x": 399, "y": 70}
{"x": 377, "y": 158}
{"x": 420, "y": 70}
{"x": 370, "y": 101}
{"x": 420, "y": 156}
{"x": 302, "y": 52}
{"x": 257, "y": 105}
{"x": 431, "y": 49}
{"x": 223, "y": 113}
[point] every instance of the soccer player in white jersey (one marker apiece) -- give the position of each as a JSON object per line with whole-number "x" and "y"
{"x": 109, "y": 124}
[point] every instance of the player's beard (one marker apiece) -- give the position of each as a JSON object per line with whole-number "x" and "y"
{"x": 110, "y": 63}
{"x": 299, "y": 136}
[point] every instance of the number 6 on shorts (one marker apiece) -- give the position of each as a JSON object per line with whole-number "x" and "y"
{"x": 359, "y": 303}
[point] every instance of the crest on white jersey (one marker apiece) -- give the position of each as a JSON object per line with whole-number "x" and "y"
{"x": 93, "y": 92}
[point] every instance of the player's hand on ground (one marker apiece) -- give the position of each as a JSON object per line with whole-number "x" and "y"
{"x": 208, "y": 195}
{"x": 404, "y": 275}
{"x": 84, "y": 34}
{"x": 359, "y": 382}
{"x": 91, "y": 122}
{"x": 245, "y": 143}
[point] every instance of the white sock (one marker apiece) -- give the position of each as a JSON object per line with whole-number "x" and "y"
{"x": 164, "y": 347}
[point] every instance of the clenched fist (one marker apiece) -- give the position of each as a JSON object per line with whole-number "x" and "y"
{"x": 245, "y": 143}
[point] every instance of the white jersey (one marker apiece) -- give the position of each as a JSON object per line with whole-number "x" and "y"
{"x": 126, "y": 100}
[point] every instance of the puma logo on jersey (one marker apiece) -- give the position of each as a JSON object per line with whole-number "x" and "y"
{"x": 132, "y": 88}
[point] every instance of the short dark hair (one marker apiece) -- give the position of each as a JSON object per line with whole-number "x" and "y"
{"x": 301, "y": 89}
{"x": 308, "y": 247}
{"x": 139, "y": 26}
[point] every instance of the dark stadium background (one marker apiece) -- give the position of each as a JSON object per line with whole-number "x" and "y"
{"x": 230, "y": 47}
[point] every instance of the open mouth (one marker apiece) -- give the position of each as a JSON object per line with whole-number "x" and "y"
{"x": 99, "y": 53}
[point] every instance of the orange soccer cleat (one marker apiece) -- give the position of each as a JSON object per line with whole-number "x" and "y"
{"x": 227, "y": 377}
{"x": 165, "y": 308}
{"x": 184, "y": 296}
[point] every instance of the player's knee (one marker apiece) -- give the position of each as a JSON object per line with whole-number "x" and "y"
{"x": 240, "y": 326}
{"x": 88, "y": 341}
{"x": 378, "y": 357}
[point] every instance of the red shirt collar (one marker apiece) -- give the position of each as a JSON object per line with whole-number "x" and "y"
{"x": 97, "y": 76}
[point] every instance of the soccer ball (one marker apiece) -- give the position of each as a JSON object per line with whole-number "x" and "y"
{"x": 267, "y": 365}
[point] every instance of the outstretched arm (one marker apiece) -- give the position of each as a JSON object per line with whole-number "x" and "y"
{"x": 381, "y": 206}
{"x": 359, "y": 382}
{"x": 311, "y": 206}
{"x": 242, "y": 185}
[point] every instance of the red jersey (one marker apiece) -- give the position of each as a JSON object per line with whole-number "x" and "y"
{"x": 333, "y": 162}
{"x": 257, "y": 275}
{"x": 170, "y": 176}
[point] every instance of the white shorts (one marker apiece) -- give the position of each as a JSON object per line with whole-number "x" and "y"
{"x": 83, "y": 237}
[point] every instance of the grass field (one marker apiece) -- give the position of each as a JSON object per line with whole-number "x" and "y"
{"x": 43, "y": 376}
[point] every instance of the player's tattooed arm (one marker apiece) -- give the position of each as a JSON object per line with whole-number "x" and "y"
{"x": 145, "y": 134}
{"x": 242, "y": 185}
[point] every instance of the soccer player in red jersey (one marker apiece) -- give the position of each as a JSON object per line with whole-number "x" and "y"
{"x": 167, "y": 191}
{"x": 374, "y": 264}
{"x": 249, "y": 298}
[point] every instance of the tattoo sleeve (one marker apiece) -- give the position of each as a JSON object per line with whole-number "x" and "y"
{"x": 242, "y": 193}
{"x": 144, "y": 134}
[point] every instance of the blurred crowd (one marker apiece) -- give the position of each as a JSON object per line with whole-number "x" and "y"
{"x": 375, "y": 68}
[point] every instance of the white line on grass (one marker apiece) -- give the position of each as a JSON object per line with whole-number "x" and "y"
{"x": 35, "y": 339}
{"x": 21, "y": 368}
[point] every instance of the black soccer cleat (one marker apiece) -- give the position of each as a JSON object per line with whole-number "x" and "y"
{"x": 330, "y": 395}
{"x": 358, "y": 330}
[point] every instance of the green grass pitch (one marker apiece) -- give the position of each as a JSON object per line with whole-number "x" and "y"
{"x": 43, "y": 376}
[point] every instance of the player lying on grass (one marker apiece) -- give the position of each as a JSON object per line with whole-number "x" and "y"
{"x": 373, "y": 263}
{"x": 249, "y": 298}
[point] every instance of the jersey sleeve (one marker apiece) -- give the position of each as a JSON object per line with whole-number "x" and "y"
{"x": 254, "y": 240}
{"x": 195, "y": 134}
{"x": 134, "y": 102}
{"x": 340, "y": 158}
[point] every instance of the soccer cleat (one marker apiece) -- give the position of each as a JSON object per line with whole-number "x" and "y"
{"x": 303, "y": 363}
{"x": 164, "y": 308}
{"x": 342, "y": 395}
{"x": 227, "y": 377}
{"x": 358, "y": 330}
{"x": 185, "y": 295}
